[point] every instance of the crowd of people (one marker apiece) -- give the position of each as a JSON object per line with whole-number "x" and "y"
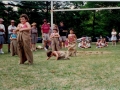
{"x": 23, "y": 38}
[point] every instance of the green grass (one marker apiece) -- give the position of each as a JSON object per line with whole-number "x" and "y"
{"x": 83, "y": 72}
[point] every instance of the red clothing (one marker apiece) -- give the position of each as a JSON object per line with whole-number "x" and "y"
{"x": 45, "y": 28}
{"x": 23, "y": 25}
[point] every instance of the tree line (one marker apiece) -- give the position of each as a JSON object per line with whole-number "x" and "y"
{"x": 91, "y": 23}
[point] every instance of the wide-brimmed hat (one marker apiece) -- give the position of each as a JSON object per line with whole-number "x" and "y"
{"x": 34, "y": 24}
{"x": 12, "y": 21}
{"x": 1, "y": 19}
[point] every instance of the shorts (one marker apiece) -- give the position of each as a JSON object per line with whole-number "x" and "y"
{"x": 46, "y": 37}
{"x": 63, "y": 38}
{"x": 33, "y": 39}
{"x": 1, "y": 39}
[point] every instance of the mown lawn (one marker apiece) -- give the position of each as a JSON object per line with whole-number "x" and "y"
{"x": 98, "y": 69}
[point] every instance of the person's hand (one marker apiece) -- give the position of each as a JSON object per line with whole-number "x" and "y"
{"x": 64, "y": 30}
{"x": 20, "y": 30}
{"x": 43, "y": 35}
{"x": 1, "y": 30}
{"x": 11, "y": 30}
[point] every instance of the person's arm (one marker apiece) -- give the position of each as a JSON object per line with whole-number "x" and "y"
{"x": 65, "y": 29}
{"x": 11, "y": 37}
{"x": 51, "y": 35}
{"x": 56, "y": 54}
{"x": 42, "y": 29}
{"x": 57, "y": 35}
{"x": 48, "y": 58}
{"x": 9, "y": 29}
{"x": 2, "y": 29}
{"x": 75, "y": 36}
{"x": 17, "y": 28}
{"x": 27, "y": 28}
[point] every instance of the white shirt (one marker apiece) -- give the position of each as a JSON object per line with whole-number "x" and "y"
{"x": 114, "y": 33}
{"x": 10, "y": 28}
{"x": 2, "y": 27}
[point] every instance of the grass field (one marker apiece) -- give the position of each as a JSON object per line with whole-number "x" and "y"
{"x": 91, "y": 69}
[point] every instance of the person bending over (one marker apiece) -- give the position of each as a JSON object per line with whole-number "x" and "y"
{"x": 58, "y": 54}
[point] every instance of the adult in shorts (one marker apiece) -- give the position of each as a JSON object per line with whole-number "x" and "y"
{"x": 2, "y": 32}
{"x": 63, "y": 33}
{"x": 45, "y": 30}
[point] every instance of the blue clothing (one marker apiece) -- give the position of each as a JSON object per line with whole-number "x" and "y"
{"x": 14, "y": 36}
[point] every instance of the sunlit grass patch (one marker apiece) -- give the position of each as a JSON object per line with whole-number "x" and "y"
{"x": 91, "y": 69}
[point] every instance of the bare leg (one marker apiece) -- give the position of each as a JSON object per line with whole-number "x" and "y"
{"x": 115, "y": 43}
{"x": 60, "y": 44}
{"x": 63, "y": 44}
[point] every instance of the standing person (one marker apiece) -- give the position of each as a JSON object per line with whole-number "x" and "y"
{"x": 113, "y": 38}
{"x": 45, "y": 29}
{"x": 13, "y": 43}
{"x": 34, "y": 35}
{"x": 72, "y": 42}
{"x": 63, "y": 32}
{"x": 23, "y": 40}
{"x": 10, "y": 31}
{"x": 2, "y": 31}
{"x": 55, "y": 40}
{"x": 119, "y": 37}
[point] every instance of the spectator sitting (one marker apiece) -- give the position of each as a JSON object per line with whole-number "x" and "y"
{"x": 88, "y": 44}
{"x": 104, "y": 41}
{"x": 98, "y": 44}
{"x": 83, "y": 43}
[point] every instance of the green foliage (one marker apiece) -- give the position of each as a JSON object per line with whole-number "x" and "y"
{"x": 91, "y": 23}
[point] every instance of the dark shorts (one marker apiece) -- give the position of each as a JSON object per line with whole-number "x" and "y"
{"x": 9, "y": 38}
{"x": 1, "y": 39}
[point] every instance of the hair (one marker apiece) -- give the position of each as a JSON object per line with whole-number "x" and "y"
{"x": 61, "y": 22}
{"x": 49, "y": 53}
{"x": 71, "y": 29}
{"x": 55, "y": 30}
{"x": 25, "y": 16}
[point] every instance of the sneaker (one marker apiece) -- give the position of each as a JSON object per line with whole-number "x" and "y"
{"x": 45, "y": 49}
{"x": 1, "y": 52}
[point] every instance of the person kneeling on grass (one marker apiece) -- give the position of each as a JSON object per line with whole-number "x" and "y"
{"x": 58, "y": 54}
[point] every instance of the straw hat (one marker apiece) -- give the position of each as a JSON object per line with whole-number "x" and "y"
{"x": 1, "y": 19}
{"x": 34, "y": 24}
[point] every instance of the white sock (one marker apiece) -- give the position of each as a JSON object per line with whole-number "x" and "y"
{"x": 2, "y": 50}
